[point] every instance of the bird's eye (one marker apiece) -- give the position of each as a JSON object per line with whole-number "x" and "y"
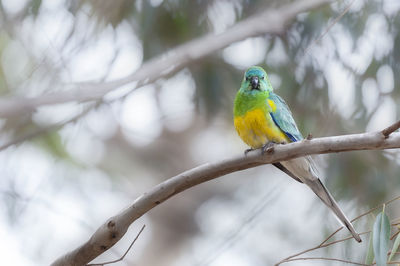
{"x": 247, "y": 78}
{"x": 262, "y": 77}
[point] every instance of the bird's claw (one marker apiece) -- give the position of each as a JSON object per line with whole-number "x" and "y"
{"x": 267, "y": 148}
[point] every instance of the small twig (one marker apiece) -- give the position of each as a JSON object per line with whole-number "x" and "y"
{"x": 123, "y": 256}
{"x": 389, "y": 130}
{"x": 248, "y": 222}
{"x": 330, "y": 259}
{"x": 348, "y": 238}
{"x": 324, "y": 243}
{"x": 329, "y": 27}
{"x": 343, "y": 239}
{"x": 375, "y": 208}
{"x": 394, "y": 235}
{"x": 330, "y": 236}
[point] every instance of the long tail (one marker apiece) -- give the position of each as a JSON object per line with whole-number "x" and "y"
{"x": 321, "y": 191}
{"x": 304, "y": 170}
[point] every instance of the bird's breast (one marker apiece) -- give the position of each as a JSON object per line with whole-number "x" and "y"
{"x": 256, "y": 128}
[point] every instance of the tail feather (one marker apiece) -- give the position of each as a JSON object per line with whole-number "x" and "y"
{"x": 286, "y": 171}
{"x": 305, "y": 170}
{"x": 320, "y": 190}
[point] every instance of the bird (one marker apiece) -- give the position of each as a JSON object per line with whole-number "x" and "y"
{"x": 263, "y": 119}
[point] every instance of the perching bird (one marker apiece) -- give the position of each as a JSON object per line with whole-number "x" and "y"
{"x": 261, "y": 117}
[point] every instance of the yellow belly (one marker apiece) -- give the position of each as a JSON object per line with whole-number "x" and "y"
{"x": 256, "y": 128}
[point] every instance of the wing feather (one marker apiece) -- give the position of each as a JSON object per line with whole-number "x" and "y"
{"x": 283, "y": 118}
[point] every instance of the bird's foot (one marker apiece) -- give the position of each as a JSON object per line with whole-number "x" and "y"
{"x": 268, "y": 148}
{"x": 247, "y": 151}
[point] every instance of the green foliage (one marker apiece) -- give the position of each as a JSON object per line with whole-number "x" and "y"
{"x": 53, "y": 143}
{"x": 369, "y": 258}
{"x": 381, "y": 235}
{"x": 34, "y": 7}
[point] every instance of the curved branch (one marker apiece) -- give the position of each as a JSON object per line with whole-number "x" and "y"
{"x": 267, "y": 22}
{"x": 113, "y": 229}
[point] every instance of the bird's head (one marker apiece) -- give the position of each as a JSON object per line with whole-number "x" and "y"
{"x": 255, "y": 80}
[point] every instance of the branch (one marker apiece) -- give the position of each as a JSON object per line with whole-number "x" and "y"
{"x": 389, "y": 130}
{"x": 42, "y": 130}
{"x": 267, "y": 22}
{"x": 113, "y": 229}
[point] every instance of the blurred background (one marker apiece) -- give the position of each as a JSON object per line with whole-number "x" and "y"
{"x": 73, "y": 165}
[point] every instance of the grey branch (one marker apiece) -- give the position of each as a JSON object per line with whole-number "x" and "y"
{"x": 114, "y": 229}
{"x": 267, "y": 22}
{"x": 54, "y": 127}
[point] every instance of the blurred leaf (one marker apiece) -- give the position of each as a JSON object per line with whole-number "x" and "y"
{"x": 381, "y": 235}
{"x": 395, "y": 247}
{"x": 369, "y": 258}
{"x": 34, "y": 7}
{"x": 111, "y": 12}
{"x": 53, "y": 143}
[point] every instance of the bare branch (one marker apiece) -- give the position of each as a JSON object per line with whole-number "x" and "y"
{"x": 113, "y": 230}
{"x": 39, "y": 131}
{"x": 267, "y": 22}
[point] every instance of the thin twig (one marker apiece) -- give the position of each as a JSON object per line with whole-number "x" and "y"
{"x": 123, "y": 256}
{"x": 336, "y": 20}
{"x": 377, "y": 207}
{"x": 389, "y": 130}
{"x": 360, "y": 216}
{"x": 394, "y": 235}
{"x": 324, "y": 243}
{"x": 246, "y": 223}
{"x": 342, "y": 240}
{"x": 330, "y": 236}
{"x": 330, "y": 259}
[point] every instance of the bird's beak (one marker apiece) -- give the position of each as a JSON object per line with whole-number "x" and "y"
{"x": 254, "y": 83}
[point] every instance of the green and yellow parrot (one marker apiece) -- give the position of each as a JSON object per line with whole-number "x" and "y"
{"x": 261, "y": 117}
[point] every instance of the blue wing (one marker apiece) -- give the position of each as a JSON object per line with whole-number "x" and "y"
{"x": 283, "y": 118}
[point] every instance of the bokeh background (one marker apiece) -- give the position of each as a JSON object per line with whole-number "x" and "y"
{"x": 86, "y": 161}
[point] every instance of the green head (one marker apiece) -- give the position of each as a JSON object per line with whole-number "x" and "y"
{"x": 254, "y": 91}
{"x": 255, "y": 80}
